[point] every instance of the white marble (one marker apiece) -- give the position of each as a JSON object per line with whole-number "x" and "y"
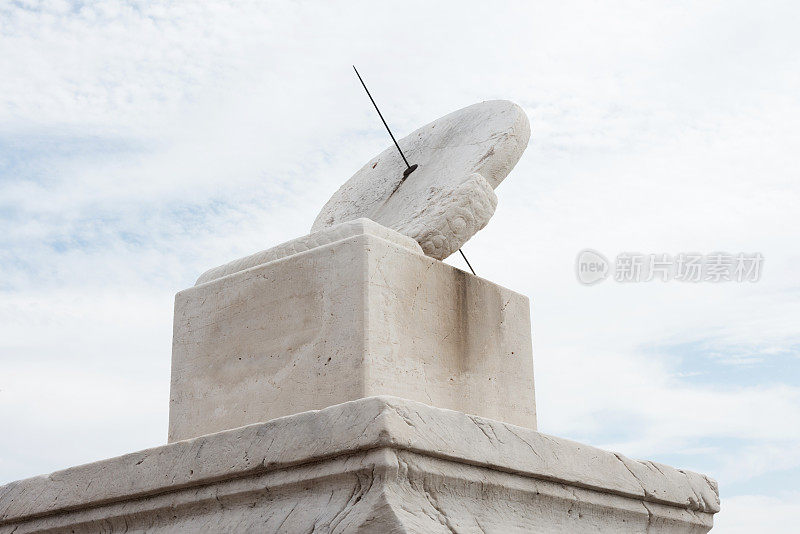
{"x": 316, "y": 239}
{"x": 378, "y": 464}
{"x": 461, "y": 157}
{"x": 361, "y": 312}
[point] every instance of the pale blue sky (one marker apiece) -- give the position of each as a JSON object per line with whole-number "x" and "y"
{"x": 142, "y": 143}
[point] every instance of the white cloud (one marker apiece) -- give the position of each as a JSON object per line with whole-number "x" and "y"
{"x": 746, "y": 514}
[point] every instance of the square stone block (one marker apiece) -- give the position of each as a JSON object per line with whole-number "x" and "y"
{"x": 350, "y": 312}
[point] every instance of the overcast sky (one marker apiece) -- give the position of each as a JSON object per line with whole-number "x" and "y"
{"x": 143, "y": 143}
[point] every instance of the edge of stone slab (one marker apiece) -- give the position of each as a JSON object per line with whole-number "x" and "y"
{"x": 354, "y": 426}
{"x": 311, "y": 241}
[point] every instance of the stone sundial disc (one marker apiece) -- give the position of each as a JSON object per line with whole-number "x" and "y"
{"x": 461, "y": 158}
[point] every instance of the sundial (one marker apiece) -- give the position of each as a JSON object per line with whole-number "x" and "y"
{"x": 436, "y": 185}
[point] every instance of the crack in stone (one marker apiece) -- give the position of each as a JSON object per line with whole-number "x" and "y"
{"x": 526, "y": 443}
{"x": 649, "y": 517}
{"x": 644, "y": 490}
{"x": 442, "y": 518}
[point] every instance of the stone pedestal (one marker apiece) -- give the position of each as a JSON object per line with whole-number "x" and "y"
{"x": 379, "y": 464}
{"x": 345, "y": 382}
{"x": 345, "y": 313}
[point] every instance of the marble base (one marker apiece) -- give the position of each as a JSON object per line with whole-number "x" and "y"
{"x": 352, "y": 311}
{"x": 378, "y": 464}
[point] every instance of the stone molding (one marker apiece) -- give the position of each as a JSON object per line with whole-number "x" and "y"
{"x": 373, "y": 443}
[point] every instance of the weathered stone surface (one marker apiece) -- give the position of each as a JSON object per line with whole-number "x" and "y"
{"x": 377, "y": 464}
{"x": 664, "y": 483}
{"x": 317, "y": 239}
{"x": 461, "y": 158}
{"x": 364, "y": 313}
